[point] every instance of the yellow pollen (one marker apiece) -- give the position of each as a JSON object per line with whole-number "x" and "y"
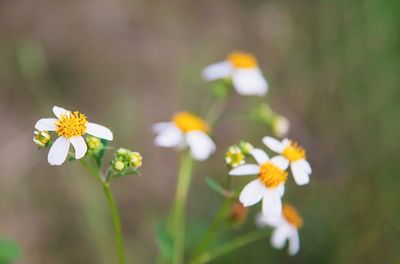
{"x": 72, "y": 124}
{"x": 187, "y": 122}
{"x": 292, "y": 216}
{"x": 242, "y": 60}
{"x": 294, "y": 152}
{"x": 271, "y": 175}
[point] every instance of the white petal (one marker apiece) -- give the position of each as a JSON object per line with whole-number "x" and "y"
{"x": 79, "y": 145}
{"x": 160, "y": 127}
{"x": 305, "y": 165}
{"x": 285, "y": 142}
{"x": 252, "y": 193}
{"x": 99, "y": 131}
{"x": 48, "y": 124}
{"x": 201, "y": 145}
{"x": 59, "y": 111}
{"x": 217, "y": 71}
{"x": 299, "y": 174}
{"x": 58, "y": 151}
{"x": 272, "y": 204}
{"x": 281, "y": 162}
{"x": 281, "y": 189}
{"x": 247, "y": 169}
{"x": 260, "y": 155}
{"x": 170, "y": 137}
{"x": 294, "y": 242}
{"x": 263, "y": 220}
{"x": 249, "y": 82}
{"x": 279, "y": 236}
{"x": 273, "y": 144}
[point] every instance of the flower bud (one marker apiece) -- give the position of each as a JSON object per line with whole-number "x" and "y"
{"x": 245, "y": 147}
{"x": 234, "y": 156}
{"x": 119, "y": 165}
{"x": 135, "y": 159}
{"x": 41, "y": 138}
{"x": 93, "y": 143}
{"x": 280, "y": 126}
{"x": 238, "y": 214}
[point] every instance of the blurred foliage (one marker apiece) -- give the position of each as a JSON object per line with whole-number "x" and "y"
{"x": 9, "y": 251}
{"x": 333, "y": 69}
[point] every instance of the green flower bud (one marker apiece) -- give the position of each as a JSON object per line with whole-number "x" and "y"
{"x": 135, "y": 159}
{"x": 280, "y": 126}
{"x": 93, "y": 143}
{"x": 41, "y": 138}
{"x": 119, "y": 165}
{"x": 234, "y": 156}
{"x": 245, "y": 147}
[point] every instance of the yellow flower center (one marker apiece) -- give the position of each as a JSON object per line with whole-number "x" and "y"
{"x": 292, "y": 216}
{"x": 187, "y": 122}
{"x": 294, "y": 152}
{"x": 271, "y": 175}
{"x": 242, "y": 60}
{"x": 71, "y": 125}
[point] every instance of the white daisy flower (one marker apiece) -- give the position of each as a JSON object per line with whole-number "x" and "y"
{"x": 70, "y": 127}
{"x": 243, "y": 70}
{"x": 286, "y": 227}
{"x": 295, "y": 155}
{"x": 269, "y": 186}
{"x": 185, "y": 129}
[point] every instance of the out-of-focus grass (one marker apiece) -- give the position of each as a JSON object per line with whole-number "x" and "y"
{"x": 333, "y": 71}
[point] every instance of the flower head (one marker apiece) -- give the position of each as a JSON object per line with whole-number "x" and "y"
{"x": 125, "y": 162}
{"x": 185, "y": 130}
{"x": 70, "y": 127}
{"x": 285, "y": 227}
{"x": 234, "y": 156}
{"x": 41, "y": 138}
{"x": 269, "y": 185}
{"x": 242, "y": 68}
{"x": 294, "y": 154}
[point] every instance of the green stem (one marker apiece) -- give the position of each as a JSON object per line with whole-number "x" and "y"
{"x": 119, "y": 241}
{"x": 230, "y": 246}
{"x": 213, "y": 228}
{"x": 179, "y": 218}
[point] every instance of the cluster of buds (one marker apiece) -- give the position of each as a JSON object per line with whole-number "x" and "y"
{"x": 278, "y": 124}
{"x": 237, "y": 154}
{"x": 41, "y": 138}
{"x": 94, "y": 144}
{"x": 126, "y": 162}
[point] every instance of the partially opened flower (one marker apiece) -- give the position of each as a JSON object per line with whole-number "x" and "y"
{"x": 70, "y": 127}
{"x": 268, "y": 187}
{"x": 185, "y": 130}
{"x": 285, "y": 228}
{"x": 294, "y": 154}
{"x": 243, "y": 70}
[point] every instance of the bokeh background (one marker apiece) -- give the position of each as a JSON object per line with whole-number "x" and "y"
{"x": 333, "y": 69}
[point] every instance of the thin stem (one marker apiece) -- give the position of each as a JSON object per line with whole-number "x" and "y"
{"x": 230, "y": 246}
{"x": 119, "y": 241}
{"x": 213, "y": 228}
{"x": 179, "y": 218}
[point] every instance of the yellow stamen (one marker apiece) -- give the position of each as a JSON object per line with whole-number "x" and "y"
{"x": 271, "y": 175}
{"x": 187, "y": 122}
{"x": 292, "y": 215}
{"x": 242, "y": 60}
{"x": 294, "y": 152}
{"x": 71, "y": 124}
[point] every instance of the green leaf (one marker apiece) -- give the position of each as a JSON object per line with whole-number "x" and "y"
{"x": 164, "y": 241}
{"x": 215, "y": 186}
{"x": 9, "y": 251}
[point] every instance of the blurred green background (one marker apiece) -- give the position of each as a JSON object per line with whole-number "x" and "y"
{"x": 333, "y": 69}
